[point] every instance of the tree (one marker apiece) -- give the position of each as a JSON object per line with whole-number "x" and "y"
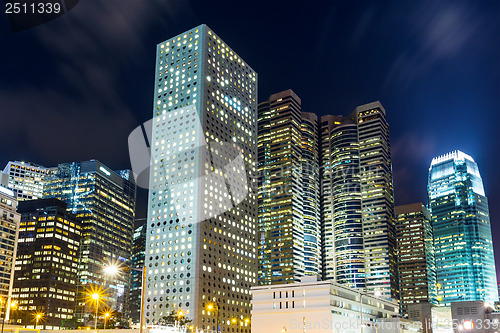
{"x": 173, "y": 318}
{"x": 70, "y": 323}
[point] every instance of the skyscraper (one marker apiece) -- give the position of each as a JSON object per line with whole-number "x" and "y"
{"x": 288, "y": 164}
{"x": 26, "y": 179}
{"x": 377, "y": 199}
{"x": 416, "y": 262}
{"x": 359, "y": 236}
{"x": 342, "y": 224}
{"x": 47, "y": 263}
{"x": 201, "y": 240}
{"x": 104, "y": 200}
{"x": 465, "y": 262}
{"x": 9, "y": 227}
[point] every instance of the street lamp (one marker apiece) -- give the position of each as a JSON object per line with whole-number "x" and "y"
{"x": 114, "y": 269}
{"x": 240, "y": 322}
{"x": 38, "y": 317}
{"x": 95, "y": 297}
{"x": 214, "y": 306}
{"x": 107, "y": 314}
{"x": 3, "y": 302}
{"x": 180, "y": 314}
{"x": 95, "y": 294}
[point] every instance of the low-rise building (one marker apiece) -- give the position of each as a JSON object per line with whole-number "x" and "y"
{"x": 323, "y": 306}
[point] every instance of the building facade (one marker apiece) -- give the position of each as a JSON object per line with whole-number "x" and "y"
{"x": 358, "y": 222}
{"x": 47, "y": 263}
{"x": 9, "y": 222}
{"x": 104, "y": 200}
{"x": 202, "y": 216}
{"x": 321, "y": 306}
{"x": 416, "y": 262}
{"x": 465, "y": 263}
{"x": 26, "y": 179}
{"x": 288, "y": 198}
{"x": 137, "y": 261}
{"x": 342, "y": 223}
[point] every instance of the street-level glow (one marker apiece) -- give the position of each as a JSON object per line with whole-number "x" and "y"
{"x": 468, "y": 325}
{"x": 111, "y": 270}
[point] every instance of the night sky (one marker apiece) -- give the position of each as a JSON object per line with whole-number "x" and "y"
{"x": 74, "y": 88}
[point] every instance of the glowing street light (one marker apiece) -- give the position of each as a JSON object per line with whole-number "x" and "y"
{"x": 214, "y": 306}
{"x": 180, "y": 314}
{"x": 116, "y": 268}
{"x": 12, "y": 305}
{"x": 95, "y": 294}
{"x": 111, "y": 270}
{"x": 241, "y": 322}
{"x": 38, "y": 318}
{"x": 107, "y": 315}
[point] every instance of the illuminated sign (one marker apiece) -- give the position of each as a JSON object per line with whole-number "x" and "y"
{"x": 106, "y": 172}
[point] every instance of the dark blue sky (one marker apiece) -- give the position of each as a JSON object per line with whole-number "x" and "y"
{"x": 74, "y": 88}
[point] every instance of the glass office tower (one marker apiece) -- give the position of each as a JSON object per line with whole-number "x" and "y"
{"x": 465, "y": 262}
{"x": 202, "y": 217}
{"x": 104, "y": 200}
{"x": 343, "y": 252}
{"x": 358, "y": 230}
{"x": 289, "y": 223}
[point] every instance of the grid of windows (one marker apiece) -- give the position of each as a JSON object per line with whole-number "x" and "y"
{"x": 289, "y": 223}
{"x": 416, "y": 262}
{"x": 26, "y": 179}
{"x": 9, "y": 224}
{"x": 46, "y": 263}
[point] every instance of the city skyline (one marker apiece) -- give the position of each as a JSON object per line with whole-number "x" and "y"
{"x": 241, "y": 192}
{"x": 434, "y": 74}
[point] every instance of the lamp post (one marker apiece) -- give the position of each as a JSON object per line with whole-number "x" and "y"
{"x": 4, "y": 305}
{"x": 38, "y": 316}
{"x": 95, "y": 297}
{"x": 115, "y": 269}
{"x": 180, "y": 314}
{"x": 215, "y": 306}
{"x": 240, "y": 322}
{"x": 106, "y": 316}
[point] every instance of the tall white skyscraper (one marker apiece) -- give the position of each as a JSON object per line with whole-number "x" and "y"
{"x": 201, "y": 244}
